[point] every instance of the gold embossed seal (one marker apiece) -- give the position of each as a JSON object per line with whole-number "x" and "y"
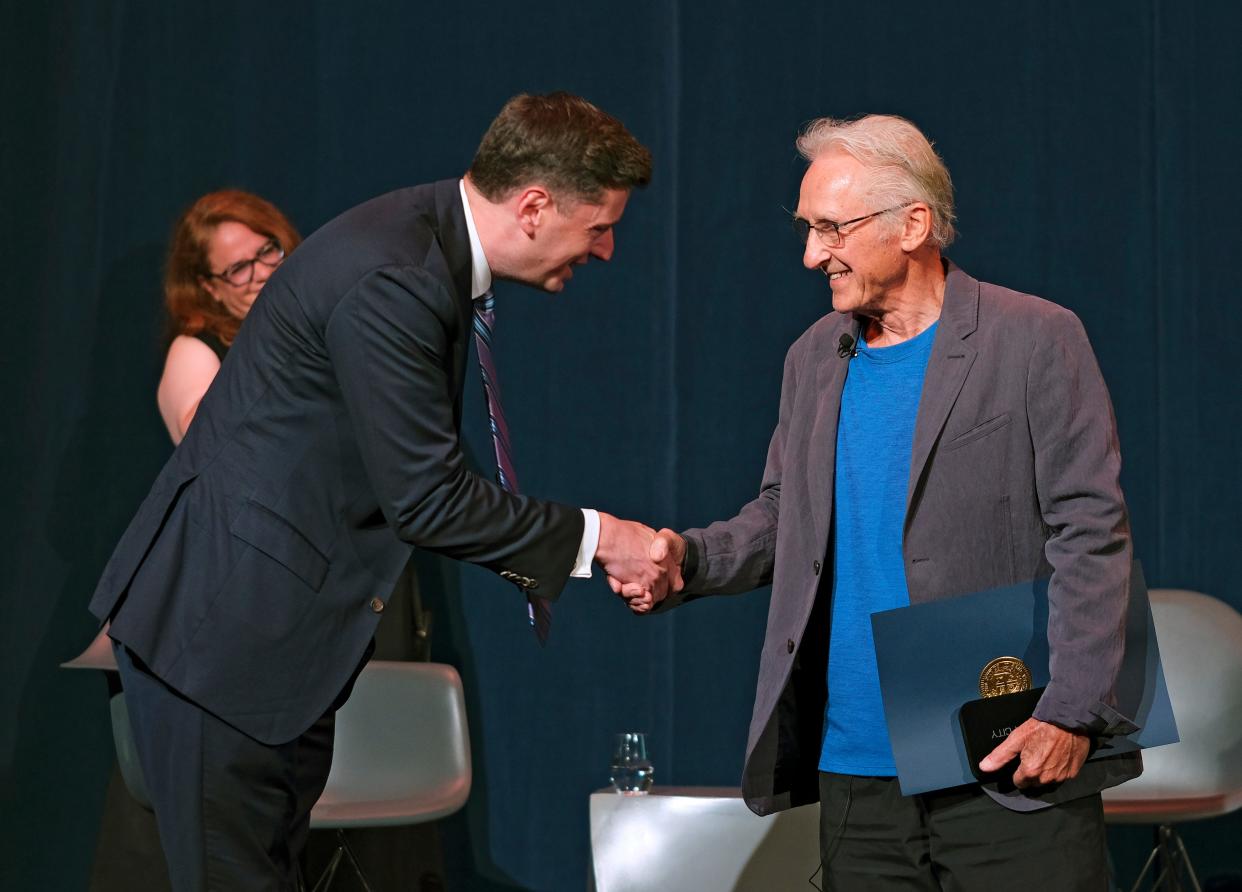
{"x": 1004, "y": 675}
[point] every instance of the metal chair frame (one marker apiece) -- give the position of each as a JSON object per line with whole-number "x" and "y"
{"x": 1167, "y": 861}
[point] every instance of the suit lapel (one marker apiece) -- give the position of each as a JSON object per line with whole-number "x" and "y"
{"x": 454, "y": 241}
{"x": 951, "y": 360}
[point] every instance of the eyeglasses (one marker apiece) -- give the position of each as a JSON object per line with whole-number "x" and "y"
{"x": 830, "y": 234}
{"x": 241, "y": 273}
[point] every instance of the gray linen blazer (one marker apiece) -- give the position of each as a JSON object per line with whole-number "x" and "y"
{"x": 1013, "y": 476}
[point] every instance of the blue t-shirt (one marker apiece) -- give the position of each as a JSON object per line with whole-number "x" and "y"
{"x": 875, "y": 436}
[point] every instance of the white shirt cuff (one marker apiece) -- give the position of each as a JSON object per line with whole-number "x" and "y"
{"x": 590, "y": 541}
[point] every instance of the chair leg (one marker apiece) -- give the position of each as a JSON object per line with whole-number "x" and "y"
{"x": 342, "y": 851}
{"x": 1167, "y": 863}
{"x": 1146, "y": 867}
{"x": 1185, "y": 857}
{"x": 325, "y": 879}
{"x": 353, "y": 862}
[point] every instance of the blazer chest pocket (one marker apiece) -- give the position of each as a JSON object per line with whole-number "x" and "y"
{"x": 268, "y": 532}
{"x": 978, "y": 431}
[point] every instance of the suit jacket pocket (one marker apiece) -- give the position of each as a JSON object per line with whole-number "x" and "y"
{"x": 267, "y": 531}
{"x": 979, "y": 430}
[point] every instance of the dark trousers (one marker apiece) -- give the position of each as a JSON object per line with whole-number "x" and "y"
{"x": 873, "y": 838}
{"x": 233, "y": 813}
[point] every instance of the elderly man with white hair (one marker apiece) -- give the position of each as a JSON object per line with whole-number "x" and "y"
{"x": 937, "y": 436}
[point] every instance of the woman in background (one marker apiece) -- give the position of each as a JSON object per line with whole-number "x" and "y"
{"x": 224, "y": 248}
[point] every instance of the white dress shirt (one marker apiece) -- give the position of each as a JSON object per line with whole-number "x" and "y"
{"x": 480, "y": 283}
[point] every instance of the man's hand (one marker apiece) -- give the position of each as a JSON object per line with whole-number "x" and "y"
{"x": 625, "y": 552}
{"x": 1048, "y": 754}
{"x": 667, "y": 550}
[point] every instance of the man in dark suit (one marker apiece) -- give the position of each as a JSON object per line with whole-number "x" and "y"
{"x": 937, "y": 436}
{"x": 244, "y": 594}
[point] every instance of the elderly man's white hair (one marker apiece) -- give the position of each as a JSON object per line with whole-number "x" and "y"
{"x": 904, "y": 166}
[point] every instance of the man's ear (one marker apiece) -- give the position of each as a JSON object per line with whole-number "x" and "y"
{"x": 917, "y": 228}
{"x": 532, "y": 204}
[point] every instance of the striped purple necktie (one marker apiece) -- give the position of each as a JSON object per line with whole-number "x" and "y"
{"x": 539, "y": 609}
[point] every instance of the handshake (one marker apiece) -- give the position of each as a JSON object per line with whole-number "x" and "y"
{"x": 643, "y": 566}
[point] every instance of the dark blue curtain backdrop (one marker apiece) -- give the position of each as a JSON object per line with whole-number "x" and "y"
{"x": 1094, "y": 148}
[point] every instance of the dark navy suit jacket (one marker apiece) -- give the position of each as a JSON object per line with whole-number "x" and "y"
{"x": 327, "y": 446}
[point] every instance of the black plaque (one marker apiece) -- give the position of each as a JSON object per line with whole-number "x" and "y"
{"x": 987, "y": 722}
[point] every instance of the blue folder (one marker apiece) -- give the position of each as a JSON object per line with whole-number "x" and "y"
{"x": 930, "y": 655}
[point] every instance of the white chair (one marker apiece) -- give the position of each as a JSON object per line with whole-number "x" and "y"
{"x": 402, "y": 754}
{"x": 1200, "y": 640}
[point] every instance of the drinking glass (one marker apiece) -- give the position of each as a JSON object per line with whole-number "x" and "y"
{"x": 631, "y": 770}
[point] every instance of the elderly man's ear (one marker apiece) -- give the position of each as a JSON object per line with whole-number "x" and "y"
{"x": 917, "y": 228}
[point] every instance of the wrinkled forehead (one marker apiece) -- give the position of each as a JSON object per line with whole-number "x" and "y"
{"x": 834, "y": 187}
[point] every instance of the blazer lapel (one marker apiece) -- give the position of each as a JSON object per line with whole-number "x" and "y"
{"x": 822, "y": 448}
{"x": 951, "y": 359}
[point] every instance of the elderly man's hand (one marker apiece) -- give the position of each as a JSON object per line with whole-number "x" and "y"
{"x": 625, "y": 553}
{"x": 1048, "y": 754}
{"x": 667, "y": 550}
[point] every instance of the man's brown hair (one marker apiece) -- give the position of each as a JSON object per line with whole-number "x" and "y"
{"x": 561, "y": 141}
